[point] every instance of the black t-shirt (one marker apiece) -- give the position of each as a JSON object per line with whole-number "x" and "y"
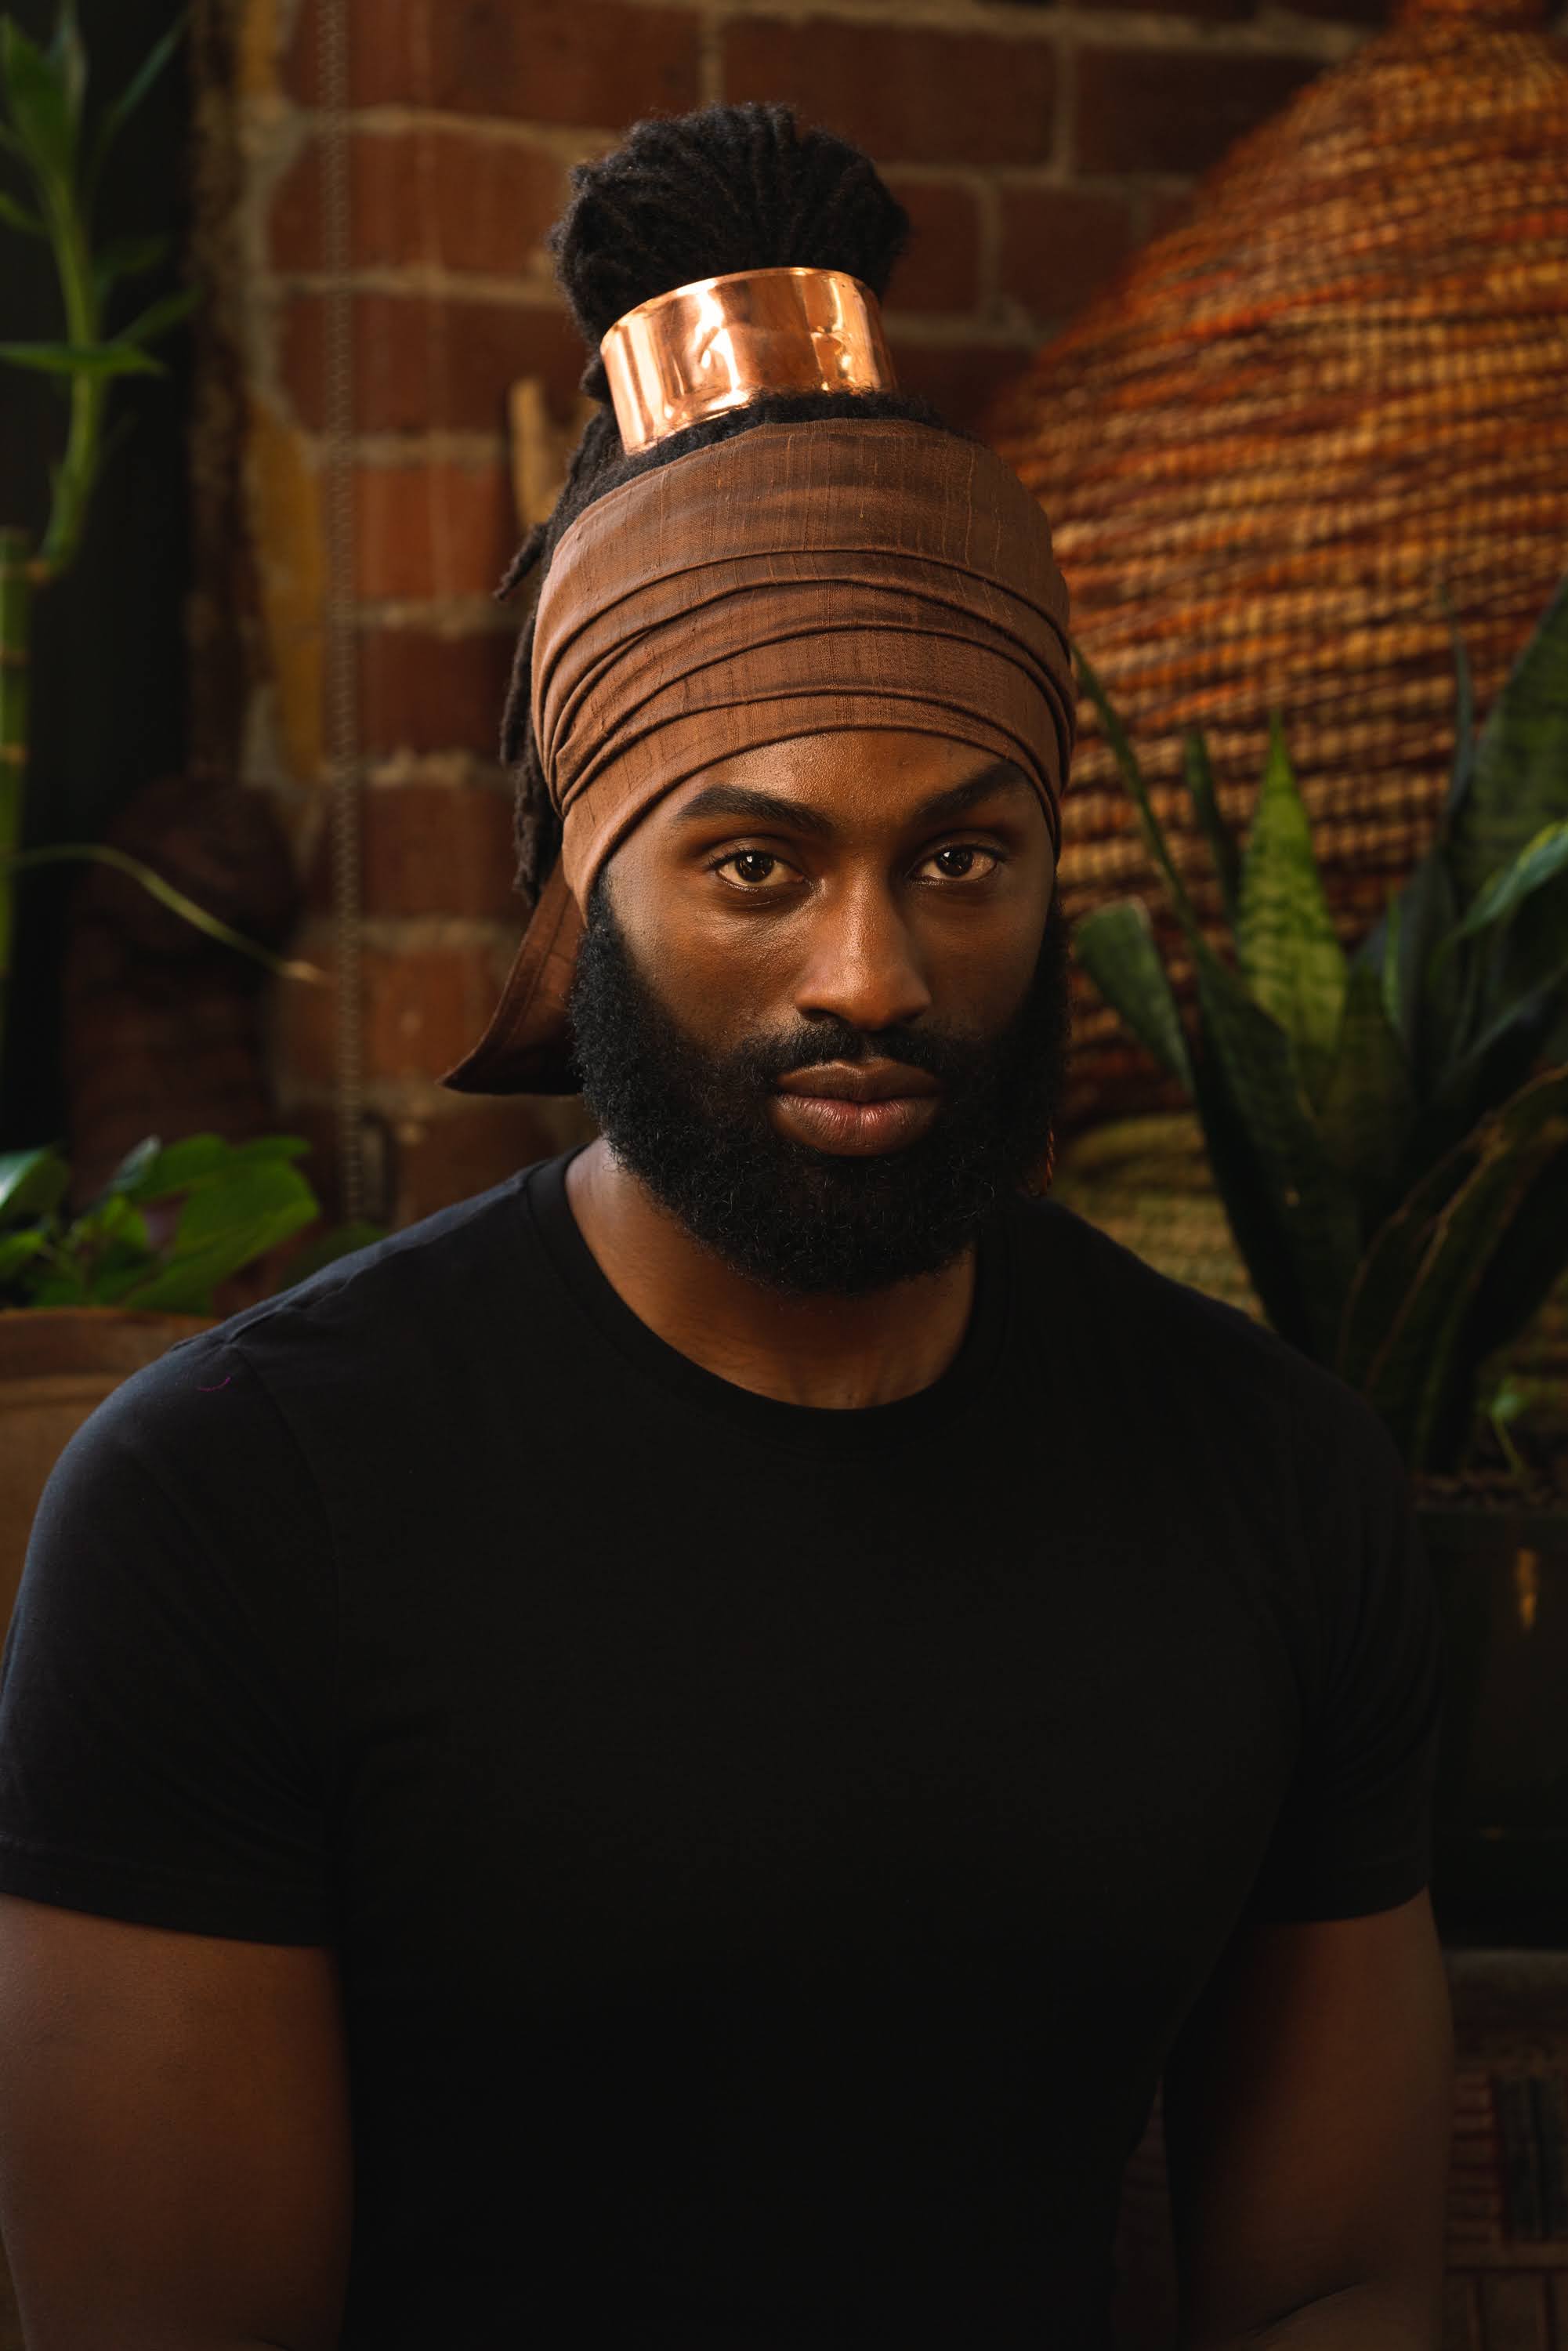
{"x": 771, "y": 1851}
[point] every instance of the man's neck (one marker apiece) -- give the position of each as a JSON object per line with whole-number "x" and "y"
{"x": 841, "y": 1353}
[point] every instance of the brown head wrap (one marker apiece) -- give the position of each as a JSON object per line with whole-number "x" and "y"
{"x": 793, "y": 579}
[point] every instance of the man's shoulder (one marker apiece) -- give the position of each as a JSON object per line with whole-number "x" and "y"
{"x": 1170, "y": 1332}
{"x": 407, "y": 1305}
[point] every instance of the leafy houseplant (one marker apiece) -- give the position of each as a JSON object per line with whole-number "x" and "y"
{"x": 135, "y": 1247}
{"x": 1387, "y": 1129}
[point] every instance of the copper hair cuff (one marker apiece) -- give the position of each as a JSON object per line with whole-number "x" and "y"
{"x": 722, "y": 341}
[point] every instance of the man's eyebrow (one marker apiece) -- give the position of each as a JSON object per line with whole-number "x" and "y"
{"x": 777, "y": 809}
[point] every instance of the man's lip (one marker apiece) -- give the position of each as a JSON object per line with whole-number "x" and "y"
{"x": 861, "y": 1081}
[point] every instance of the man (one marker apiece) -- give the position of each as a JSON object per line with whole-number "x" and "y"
{"x": 672, "y": 1755}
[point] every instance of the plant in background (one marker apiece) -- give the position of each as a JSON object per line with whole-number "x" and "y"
{"x": 239, "y": 1201}
{"x": 1388, "y": 1130}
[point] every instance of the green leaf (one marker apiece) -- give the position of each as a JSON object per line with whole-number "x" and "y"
{"x": 128, "y": 256}
{"x": 1199, "y": 771}
{"x": 1420, "y": 1279}
{"x": 160, "y": 316}
{"x": 1538, "y": 861}
{"x": 40, "y": 107}
{"x": 1286, "y": 943}
{"x": 81, "y": 359}
{"x": 120, "y": 111}
{"x": 1499, "y": 1062}
{"x": 1271, "y": 1165}
{"x": 1426, "y": 995}
{"x": 32, "y": 1183}
{"x": 69, "y": 59}
{"x": 1115, "y": 945}
{"x": 1522, "y": 759}
{"x": 1368, "y": 1101}
{"x": 16, "y": 215}
{"x": 1132, "y": 776}
{"x": 18, "y": 1249}
{"x": 223, "y": 1228}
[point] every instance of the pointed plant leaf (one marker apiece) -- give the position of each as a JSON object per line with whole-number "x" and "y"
{"x": 129, "y": 256}
{"x": 160, "y": 316}
{"x": 32, "y": 1183}
{"x": 1303, "y": 1197}
{"x": 1286, "y": 944}
{"x": 16, "y": 215}
{"x": 1540, "y": 860}
{"x": 1528, "y": 1261}
{"x": 120, "y": 109}
{"x": 1425, "y": 1001}
{"x": 69, "y": 59}
{"x": 1199, "y": 771}
{"x": 40, "y": 107}
{"x": 224, "y": 1228}
{"x": 81, "y": 359}
{"x": 1368, "y": 1101}
{"x": 1115, "y": 945}
{"x": 1425, "y": 1267}
{"x": 1132, "y": 776}
{"x": 1496, "y": 1065}
{"x": 1521, "y": 758}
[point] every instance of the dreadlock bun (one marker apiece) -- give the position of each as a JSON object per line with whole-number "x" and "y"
{"x": 727, "y": 188}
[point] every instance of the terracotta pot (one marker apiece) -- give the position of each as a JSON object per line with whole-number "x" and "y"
{"x": 57, "y": 1364}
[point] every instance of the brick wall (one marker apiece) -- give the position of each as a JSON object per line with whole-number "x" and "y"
{"x": 1035, "y": 148}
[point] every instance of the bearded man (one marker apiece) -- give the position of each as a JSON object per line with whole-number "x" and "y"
{"x": 673, "y": 1756}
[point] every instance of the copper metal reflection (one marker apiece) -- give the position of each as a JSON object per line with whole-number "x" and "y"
{"x": 718, "y": 342}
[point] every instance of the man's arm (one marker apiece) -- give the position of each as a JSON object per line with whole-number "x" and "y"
{"x": 175, "y": 2161}
{"x": 1308, "y": 2111}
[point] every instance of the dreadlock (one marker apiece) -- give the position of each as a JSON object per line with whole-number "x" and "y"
{"x": 696, "y": 195}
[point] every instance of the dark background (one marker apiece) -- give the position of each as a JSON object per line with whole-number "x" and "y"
{"x": 109, "y": 677}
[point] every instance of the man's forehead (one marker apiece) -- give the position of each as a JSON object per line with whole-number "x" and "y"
{"x": 847, "y": 775}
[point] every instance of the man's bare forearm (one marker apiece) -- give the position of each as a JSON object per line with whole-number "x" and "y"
{"x": 1373, "y": 2316}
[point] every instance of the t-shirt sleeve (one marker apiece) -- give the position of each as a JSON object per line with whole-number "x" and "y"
{"x": 166, "y": 1687}
{"x": 1354, "y": 1832}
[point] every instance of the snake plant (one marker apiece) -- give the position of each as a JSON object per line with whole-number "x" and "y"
{"x": 1386, "y": 1127}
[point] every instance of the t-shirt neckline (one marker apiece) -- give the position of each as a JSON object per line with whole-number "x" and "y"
{"x": 809, "y": 1428}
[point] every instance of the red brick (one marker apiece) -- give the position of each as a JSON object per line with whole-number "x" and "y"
{"x": 908, "y": 94}
{"x": 600, "y": 63}
{"x": 940, "y": 269}
{"x": 961, "y": 380}
{"x": 1060, "y": 246}
{"x": 1174, "y": 110}
{"x": 421, "y": 692}
{"x": 429, "y": 849}
{"x": 422, "y": 362}
{"x": 424, "y": 1008}
{"x": 453, "y": 198}
{"x": 433, "y": 530}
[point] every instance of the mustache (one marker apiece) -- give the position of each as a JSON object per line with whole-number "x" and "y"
{"x": 942, "y": 1054}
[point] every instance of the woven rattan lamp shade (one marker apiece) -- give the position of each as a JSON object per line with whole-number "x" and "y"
{"x": 1340, "y": 390}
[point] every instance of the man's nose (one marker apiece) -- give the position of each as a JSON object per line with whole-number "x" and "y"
{"x": 862, "y": 963}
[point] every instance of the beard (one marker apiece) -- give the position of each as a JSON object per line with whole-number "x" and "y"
{"x": 693, "y": 1125}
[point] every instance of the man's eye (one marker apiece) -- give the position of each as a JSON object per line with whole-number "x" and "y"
{"x": 754, "y": 867}
{"x": 962, "y": 855}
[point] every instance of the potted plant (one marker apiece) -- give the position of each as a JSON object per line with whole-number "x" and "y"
{"x": 1387, "y": 1131}
{"x": 86, "y": 1300}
